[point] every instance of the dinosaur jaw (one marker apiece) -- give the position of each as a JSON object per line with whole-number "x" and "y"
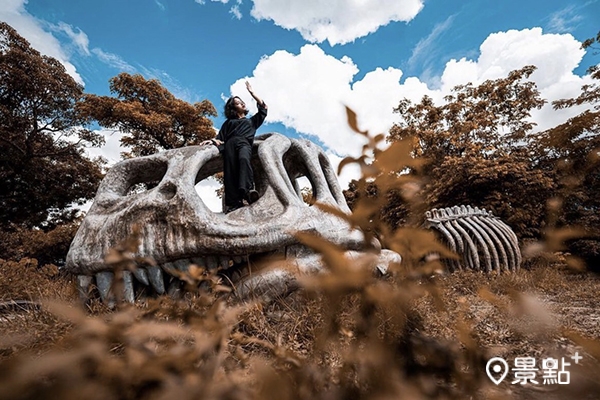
{"x": 266, "y": 276}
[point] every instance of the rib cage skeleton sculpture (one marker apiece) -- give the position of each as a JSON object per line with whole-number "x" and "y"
{"x": 482, "y": 240}
{"x": 178, "y": 229}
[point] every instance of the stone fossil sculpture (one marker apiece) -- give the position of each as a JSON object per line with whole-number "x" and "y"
{"x": 177, "y": 229}
{"x": 482, "y": 241}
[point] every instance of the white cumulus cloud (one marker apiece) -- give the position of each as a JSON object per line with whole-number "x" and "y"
{"x": 308, "y": 91}
{"x": 335, "y": 20}
{"x": 111, "y": 151}
{"x": 554, "y": 55}
{"x": 304, "y": 91}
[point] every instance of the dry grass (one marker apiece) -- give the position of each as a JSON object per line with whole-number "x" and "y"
{"x": 543, "y": 311}
{"x": 24, "y": 325}
{"x": 422, "y": 337}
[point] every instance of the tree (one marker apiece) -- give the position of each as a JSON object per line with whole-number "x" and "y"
{"x": 43, "y": 167}
{"x": 573, "y": 150}
{"x": 475, "y": 149}
{"x": 150, "y": 117}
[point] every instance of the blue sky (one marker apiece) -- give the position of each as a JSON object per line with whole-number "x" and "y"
{"x": 309, "y": 58}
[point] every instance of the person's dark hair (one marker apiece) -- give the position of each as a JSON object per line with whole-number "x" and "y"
{"x": 229, "y": 110}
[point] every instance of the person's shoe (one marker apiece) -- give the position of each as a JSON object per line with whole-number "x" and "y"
{"x": 252, "y": 196}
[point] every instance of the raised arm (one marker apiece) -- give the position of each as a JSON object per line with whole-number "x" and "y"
{"x": 258, "y": 100}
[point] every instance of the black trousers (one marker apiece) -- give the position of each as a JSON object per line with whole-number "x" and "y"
{"x": 237, "y": 170}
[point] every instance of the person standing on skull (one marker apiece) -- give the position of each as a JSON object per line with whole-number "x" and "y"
{"x": 234, "y": 141}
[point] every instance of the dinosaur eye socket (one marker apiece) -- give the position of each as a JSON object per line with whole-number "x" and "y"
{"x": 210, "y": 190}
{"x": 305, "y": 189}
{"x": 137, "y": 175}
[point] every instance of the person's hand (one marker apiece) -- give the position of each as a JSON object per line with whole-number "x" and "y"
{"x": 258, "y": 100}
{"x": 216, "y": 142}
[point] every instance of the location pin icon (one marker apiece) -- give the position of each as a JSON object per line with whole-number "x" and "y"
{"x": 497, "y": 367}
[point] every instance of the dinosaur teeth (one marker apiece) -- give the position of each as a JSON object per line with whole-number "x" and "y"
{"x": 225, "y": 262}
{"x": 182, "y": 265}
{"x": 155, "y": 276}
{"x": 199, "y": 261}
{"x": 83, "y": 286}
{"x": 128, "y": 293}
{"x": 212, "y": 262}
{"x": 168, "y": 266}
{"x": 104, "y": 282}
{"x": 238, "y": 259}
{"x": 141, "y": 275}
{"x": 235, "y": 275}
{"x": 175, "y": 288}
{"x": 215, "y": 261}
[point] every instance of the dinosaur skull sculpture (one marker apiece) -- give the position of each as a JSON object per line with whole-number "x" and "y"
{"x": 177, "y": 229}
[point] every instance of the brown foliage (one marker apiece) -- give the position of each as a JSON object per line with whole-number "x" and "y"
{"x": 385, "y": 195}
{"x": 26, "y": 279}
{"x": 150, "y": 117}
{"x": 592, "y": 43}
{"x": 394, "y": 210}
{"x": 45, "y": 246}
{"x": 43, "y": 168}
{"x": 572, "y": 150}
{"x": 411, "y": 336}
{"x": 475, "y": 151}
{"x": 23, "y": 325}
{"x": 489, "y": 118}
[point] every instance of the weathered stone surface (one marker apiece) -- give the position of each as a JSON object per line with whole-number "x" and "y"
{"x": 177, "y": 228}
